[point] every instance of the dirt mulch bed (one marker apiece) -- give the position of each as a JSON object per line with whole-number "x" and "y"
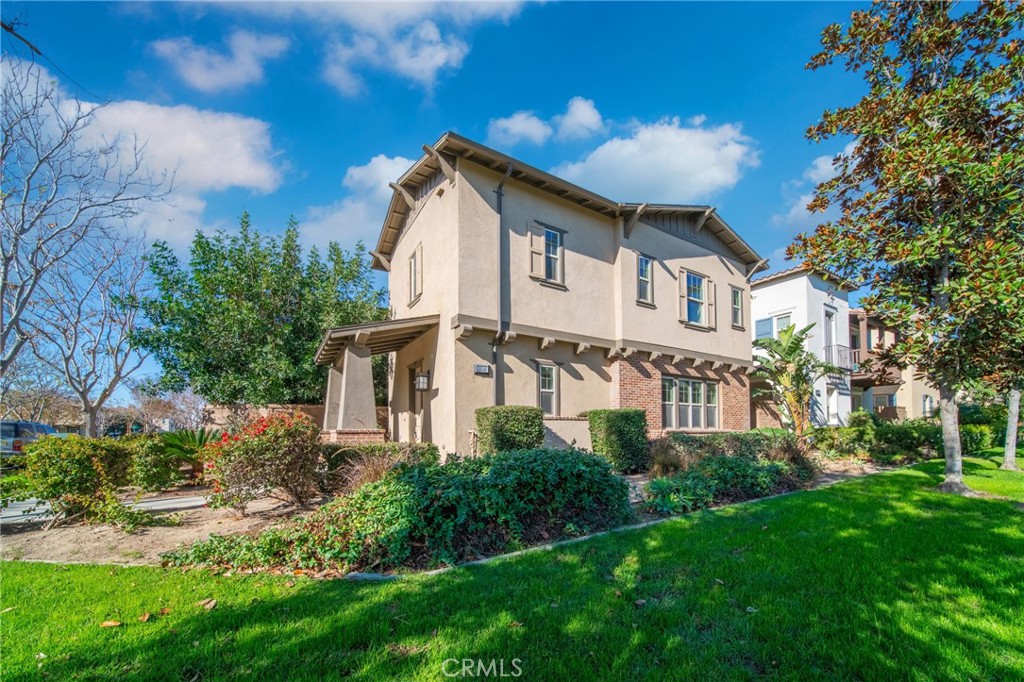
{"x": 105, "y": 544}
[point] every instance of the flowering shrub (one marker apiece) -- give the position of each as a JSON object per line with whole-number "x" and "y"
{"x": 153, "y": 467}
{"x": 278, "y": 452}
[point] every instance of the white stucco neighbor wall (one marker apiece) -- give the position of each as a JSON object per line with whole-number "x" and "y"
{"x": 807, "y": 299}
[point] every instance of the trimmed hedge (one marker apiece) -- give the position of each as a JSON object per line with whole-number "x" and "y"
{"x": 502, "y": 428}
{"x": 621, "y": 437}
{"x": 424, "y": 515}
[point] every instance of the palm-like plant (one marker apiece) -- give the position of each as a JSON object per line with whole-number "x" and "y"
{"x": 187, "y": 444}
{"x": 790, "y": 370}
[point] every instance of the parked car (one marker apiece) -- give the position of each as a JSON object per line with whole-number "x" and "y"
{"x": 15, "y": 435}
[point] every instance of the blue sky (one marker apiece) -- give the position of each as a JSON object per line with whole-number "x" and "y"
{"x": 310, "y": 110}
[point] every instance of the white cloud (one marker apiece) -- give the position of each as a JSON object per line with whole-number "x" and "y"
{"x": 206, "y": 151}
{"x": 415, "y": 40}
{"x": 210, "y": 71}
{"x": 359, "y": 215}
{"x": 420, "y": 54}
{"x": 666, "y": 162}
{"x": 522, "y": 126}
{"x": 580, "y": 120}
{"x": 800, "y": 192}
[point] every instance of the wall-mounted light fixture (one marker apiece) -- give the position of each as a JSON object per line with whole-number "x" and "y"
{"x": 423, "y": 381}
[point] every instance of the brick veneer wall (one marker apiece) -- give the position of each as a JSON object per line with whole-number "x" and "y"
{"x": 636, "y": 382}
{"x": 353, "y": 436}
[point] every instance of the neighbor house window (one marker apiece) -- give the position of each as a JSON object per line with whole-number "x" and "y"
{"x": 737, "y": 307}
{"x": 552, "y": 255}
{"x": 928, "y": 406}
{"x": 696, "y": 290}
{"x": 547, "y": 384}
{"x": 781, "y": 322}
{"x": 644, "y": 279}
{"x": 416, "y": 274}
{"x": 689, "y": 404}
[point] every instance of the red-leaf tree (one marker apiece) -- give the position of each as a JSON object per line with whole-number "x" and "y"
{"x": 930, "y": 199}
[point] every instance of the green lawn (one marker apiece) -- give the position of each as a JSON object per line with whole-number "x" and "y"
{"x": 874, "y": 579}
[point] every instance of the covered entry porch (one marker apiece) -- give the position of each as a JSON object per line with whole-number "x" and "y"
{"x": 350, "y": 413}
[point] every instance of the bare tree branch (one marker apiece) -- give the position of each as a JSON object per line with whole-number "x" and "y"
{"x": 62, "y": 192}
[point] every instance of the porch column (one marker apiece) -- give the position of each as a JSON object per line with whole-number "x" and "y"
{"x": 333, "y": 401}
{"x": 356, "y": 408}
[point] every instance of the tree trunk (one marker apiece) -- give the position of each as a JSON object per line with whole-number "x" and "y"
{"x": 1013, "y": 415}
{"x": 91, "y": 422}
{"x": 950, "y": 419}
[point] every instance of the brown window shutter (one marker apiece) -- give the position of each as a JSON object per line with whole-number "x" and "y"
{"x": 712, "y": 304}
{"x": 419, "y": 269}
{"x": 536, "y": 240}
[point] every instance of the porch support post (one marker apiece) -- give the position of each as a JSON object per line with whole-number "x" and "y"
{"x": 333, "y": 401}
{"x": 356, "y": 409}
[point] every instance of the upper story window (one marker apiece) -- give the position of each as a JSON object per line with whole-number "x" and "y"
{"x": 736, "y": 299}
{"x": 696, "y": 287}
{"x": 769, "y": 327}
{"x": 416, "y": 274}
{"x": 547, "y": 388}
{"x": 645, "y": 279}
{"x": 547, "y": 254}
{"x": 552, "y": 255}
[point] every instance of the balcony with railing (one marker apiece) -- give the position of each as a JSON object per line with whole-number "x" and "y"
{"x": 840, "y": 356}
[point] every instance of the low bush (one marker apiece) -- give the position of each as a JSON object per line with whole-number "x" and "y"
{"x": 187, "y": 445}
{"x": 621, "y": 436}
{"x": 768, "y": 445}
{"x": 844, "y": 441}
{"x": 426, "y": 514}
{"x": 79, "y": 478}
{"x": 152, "y": 466}
{"x": 975, "y": 437}
{"x": 665, "y": 458}
{"x": 278, "y": 452}
{"x": 349, "y": 467}
{"x": 501, "y": 428}
{"x": 975, "y": 414}
{"x": 722, "y": 479}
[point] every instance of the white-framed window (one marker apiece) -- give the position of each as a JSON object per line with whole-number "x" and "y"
{"x": 695, "y": 298}
{"x": 736, "y": 300}
{"x": 547, "y": 254}
{"x": 416, "y": 274}
{"x": 769, "y": 327}
{"x": 927, "y": 405}
{"x": 547, "y": 388}
{"x": 644, "y": 279}
{"x": 689, "y": 403}
{"x": 552, "y": 255}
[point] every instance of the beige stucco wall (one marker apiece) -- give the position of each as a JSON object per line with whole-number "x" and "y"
{"x": 457, "y": 229}
{"x": 912, "y": 392}
{"x": 585, "y": 382}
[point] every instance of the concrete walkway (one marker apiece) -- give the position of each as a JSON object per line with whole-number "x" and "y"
{"x": 18, "y": 512}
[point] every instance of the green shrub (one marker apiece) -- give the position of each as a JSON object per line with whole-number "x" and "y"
{"x": 79, "y": 477}
{"x": 861, "y": 419}
{"x": 425, "y": 514}
{"x": 621, "y": 437}
{"x": 759, "y": 444}
{"x": 509, "y": 427}
{"x": 153, "y": 467}
{"x": 971, "y": 413}
{"x": 276, "y": 452}
{"x": 721, "y": 479}
{"x": 908, "y": 441}
{"x": 844, "y": 441}
{"x": 665, "y": 458}
{"x": 975, "y": 438}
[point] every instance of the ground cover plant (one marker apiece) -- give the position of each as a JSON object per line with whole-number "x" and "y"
{"x": 423, "y": 515}
{"x": 851, "y": 582}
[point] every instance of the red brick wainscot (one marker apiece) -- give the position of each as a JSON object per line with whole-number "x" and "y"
{"x": 636, "y": 382}
{"x": 353, "y": 436}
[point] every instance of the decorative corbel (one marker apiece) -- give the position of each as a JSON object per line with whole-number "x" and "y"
{"x": 546, "y": 342}
{"x": 655, "y": 355}
{"x": 404, "y": 193}
{"x": 582, "y": 348}
{"x": 678, "y": 359}
{"x": 446, "y": 167}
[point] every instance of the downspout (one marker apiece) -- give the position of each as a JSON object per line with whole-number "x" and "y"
{"x": 499, "y": 337}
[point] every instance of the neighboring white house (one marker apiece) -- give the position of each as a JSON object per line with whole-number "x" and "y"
{"x": 796, "y": 296}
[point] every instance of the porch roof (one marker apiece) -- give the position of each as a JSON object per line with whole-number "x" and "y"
{"x": 379, "y": 337}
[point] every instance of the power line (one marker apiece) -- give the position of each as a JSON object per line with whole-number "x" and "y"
{"x": 10, "y": 28}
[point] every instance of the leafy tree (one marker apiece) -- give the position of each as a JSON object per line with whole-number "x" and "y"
{"x": 930, "y": 198}
{"x": 242, "y": 323}
{"x": 790, "y": 370}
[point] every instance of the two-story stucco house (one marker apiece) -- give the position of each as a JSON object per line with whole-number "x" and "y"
{"x": 509, "y": 285}
{"x": 798, "y": 297}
